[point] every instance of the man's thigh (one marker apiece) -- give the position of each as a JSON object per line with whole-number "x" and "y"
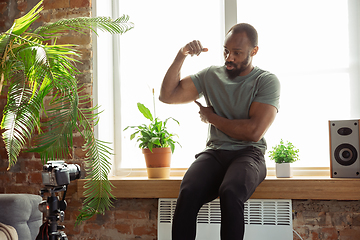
{"x": 203, "y": 178}
{"x": 244, "y": 174}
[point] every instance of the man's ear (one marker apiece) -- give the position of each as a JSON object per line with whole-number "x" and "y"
{"x": 254, "y": 51}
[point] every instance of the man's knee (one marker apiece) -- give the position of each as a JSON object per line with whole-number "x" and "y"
{"x": 234, "y": 192}
{"x": 189, "y": 189}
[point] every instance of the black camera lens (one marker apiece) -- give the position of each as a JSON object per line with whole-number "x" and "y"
{"x": 74, "y": 171}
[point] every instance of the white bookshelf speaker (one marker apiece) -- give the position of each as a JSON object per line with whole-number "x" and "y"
{"x": 344, "y": 149}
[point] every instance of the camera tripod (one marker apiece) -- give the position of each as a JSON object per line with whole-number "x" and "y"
{"x": 54, "y": 210}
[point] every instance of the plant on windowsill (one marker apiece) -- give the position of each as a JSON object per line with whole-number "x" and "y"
{"x": 156, "y": 142}
{"x": 34, "y": 68}
{"x": 284, "y": 154}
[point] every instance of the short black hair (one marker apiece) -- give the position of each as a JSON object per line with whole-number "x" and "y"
{"x": 248, "y": 29}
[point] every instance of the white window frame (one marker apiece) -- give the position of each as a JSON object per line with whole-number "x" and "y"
{"x": 106, "y": 62}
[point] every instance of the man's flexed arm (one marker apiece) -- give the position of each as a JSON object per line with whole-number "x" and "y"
{"x": 261, "y": 116}
{"x": 173, "y": 88}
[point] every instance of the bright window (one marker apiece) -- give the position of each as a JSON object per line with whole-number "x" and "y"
{"x": 306, "y": 44}
{"x": 162, "y": 27}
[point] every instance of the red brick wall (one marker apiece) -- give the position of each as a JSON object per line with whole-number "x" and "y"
{"x": 326, "y": 220}
{"x": 137, "y": 218}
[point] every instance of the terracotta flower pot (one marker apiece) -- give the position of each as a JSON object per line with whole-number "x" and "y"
{"x": 158, "y": 162}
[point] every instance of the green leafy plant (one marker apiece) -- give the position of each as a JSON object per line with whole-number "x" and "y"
{"x": 33, "y": 68}
{"x": 155, "y": 134}
{"x": 284, "y": 153}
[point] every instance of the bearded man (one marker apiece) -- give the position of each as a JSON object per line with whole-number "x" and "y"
{"x": 242, "y": 102}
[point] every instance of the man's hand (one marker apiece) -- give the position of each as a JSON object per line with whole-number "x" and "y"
{"x": 205, "y": 112}
{"x": 193, "y": 48}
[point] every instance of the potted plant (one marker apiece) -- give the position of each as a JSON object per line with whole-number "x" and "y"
{"x": 156, "y": 142}
{"x": 34, "y": 68}
{"x": 283, "y": 155}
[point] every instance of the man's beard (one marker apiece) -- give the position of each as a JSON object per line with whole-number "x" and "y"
{"x": 237, "y": 71}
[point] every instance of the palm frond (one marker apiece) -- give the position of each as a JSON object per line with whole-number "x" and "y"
{"x": 20, "y": 118}
{"x": 98, "y": 187}
{"x": 41, "y": 73}
{"x": 57, "y": 135}
{"x": 22, "y": 111}
{"x": 19, "y": 26}
{"x": 106, "y": 24}
{"x": 23, "y": 23}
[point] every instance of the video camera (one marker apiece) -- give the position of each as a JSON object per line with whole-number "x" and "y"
{"x": 56, "y": 176}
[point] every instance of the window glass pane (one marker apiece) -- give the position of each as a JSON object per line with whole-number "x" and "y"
{"x": 305, "y": 43}
{"x": 161, "y": 28}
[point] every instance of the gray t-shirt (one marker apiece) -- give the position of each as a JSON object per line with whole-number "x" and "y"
{"x": 231, "y": 99}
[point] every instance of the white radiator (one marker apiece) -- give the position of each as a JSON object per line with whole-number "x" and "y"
{"x": 264, "y": 219}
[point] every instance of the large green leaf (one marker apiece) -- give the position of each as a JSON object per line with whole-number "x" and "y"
{"x": 145, "y": 111}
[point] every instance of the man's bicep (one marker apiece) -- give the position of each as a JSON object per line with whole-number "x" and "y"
{"x": 263, "y": 116}
{"x": 186, "y": 91}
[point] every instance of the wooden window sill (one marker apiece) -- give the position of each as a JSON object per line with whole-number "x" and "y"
{"x": 321, "y": 188}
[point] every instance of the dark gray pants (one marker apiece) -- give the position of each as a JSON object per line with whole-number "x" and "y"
{"x": 231, "y": 175}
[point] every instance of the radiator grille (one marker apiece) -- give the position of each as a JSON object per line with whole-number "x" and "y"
{"x": 268, "y": 212}
{"x": 264, "y": 219}
{"x": 210, "y": 213}
{"x": 256, "y": 212}
{"x": 166, "y": 210}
